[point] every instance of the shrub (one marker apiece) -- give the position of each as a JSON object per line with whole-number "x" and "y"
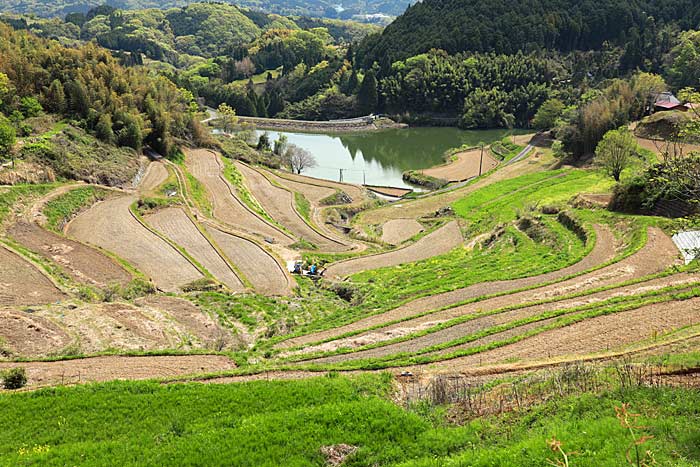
{"x": 415, "y": 177}
{"x": 14, "y": 378}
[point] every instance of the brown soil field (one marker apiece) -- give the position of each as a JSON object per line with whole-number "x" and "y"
{"x": 481, "y": 323}
{"x": 599, "y": 334}
{"x": 153, "y": 323}
{"x": 84, "y": 264}
{"x": 658, "y": 254}
{"x": 28, "y": 335}
{"x": 205, "y": 167}
{"x": 303, "y": 182}
{"x": 98, "y": 369}
{"x": 312, "y": 191}
{"x": 266, "y": 275}
{"x": 279, "y": 204}
{"x": 427, "y": 206}
{"x": 156, "y": 174}
{"x": 436, "y": 243}
{"x": 658, "y": 146}
{"x": 206, "y": 329}
{"x": 23, "y": 284}
{"x": 178, "y": 227}
{"x": 111, "y": 225}
{"x": 399, "y": 230}
{"x": 464, "y": 166}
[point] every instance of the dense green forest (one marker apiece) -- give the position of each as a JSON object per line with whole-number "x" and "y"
{"x": 592, "y": 76}
{"x": 367, "y": 10}
{"x": 104, "y": 106}
{"x": 503, "y": 26}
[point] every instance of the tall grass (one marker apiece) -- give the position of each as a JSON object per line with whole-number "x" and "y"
{"x": 287, "y": 423}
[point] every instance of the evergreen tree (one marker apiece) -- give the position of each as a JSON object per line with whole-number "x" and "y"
{"x": 55, "y": 97}
{"x": 78, "y": 102}
{"x": 103, "y": 129}
{"x": 352, "y": 84}
{"x": 367, "y": 96}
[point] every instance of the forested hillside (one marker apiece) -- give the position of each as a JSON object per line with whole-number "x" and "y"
{"x": 504, "y": 26}
{"x": 105, "y": 106}
{"x": 351, "y": 9}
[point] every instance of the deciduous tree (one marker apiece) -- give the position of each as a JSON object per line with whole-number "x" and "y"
{"x": 616, "y": 152}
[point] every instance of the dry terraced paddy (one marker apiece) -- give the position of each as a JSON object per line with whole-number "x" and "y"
{"x": 87, "y": 370}
{"x": 156, "y": 174}
{"x": 397, "y": 231}
{"x": 483, "y": 319}
{"x": 466, "y": 165}
{"x": 152, "y": 323}
{"x": 263, "y": 271}
{"x": 175, "y": 224}
{"x": 314, "y": 189}
{"x": 600, "y": 334}
{"x": 21, "y": 283}
{"x": 205, "y": 166}
{"x": 279, "y": 204}
{"x": 82, "y": 263}
{"x": 436, "y": 243}
{"x": 111, "y": 225}
{"x": 658, "y": 254}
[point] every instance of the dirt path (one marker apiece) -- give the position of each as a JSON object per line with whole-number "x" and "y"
{"x": 178, "y": 227}
{"x": 156, "y": 174}
{"x": 465, "y": 165}
{"x": 111, "y": 225}
{"x": 479, "y": 324}
{"x": 279, "y": 203}
{"x": 437, "y": 243}
{"x": 21, "y": 283}
{"x": 258, "y": 266}
{"x": 399, "y": 230}
{"x": 603, "y": 333}
{"x": 656, "y": 255}
{"x": 427, "y": 206}
{"x": 205, "y": 167}
{"x": 84, "y": 264}
{"x": 110, "y": 368}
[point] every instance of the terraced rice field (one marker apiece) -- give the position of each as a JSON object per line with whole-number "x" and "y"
{"x": 315, "y": 189}
{"x": 111, "y": 225}
{"x": 279, "y": 203}
{"x": 175, "y": 224}
{"x": 84, "y": 264}
{"x": 483, "y": 316}
{"x": 97, "y": 369}
{"x": 21, "y": 283}
{"x": 263, "y": 271}
{"x": 439, "y": 242}
{"x": 397, "y": 231}
{"x": 156, "y": 174}
{"x": 658, "y": 254}
{"x": 466, "y": 165}
{"x": 205, "y": 167}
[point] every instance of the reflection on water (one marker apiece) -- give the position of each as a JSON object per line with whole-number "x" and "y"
{"x": 380, "y": 158}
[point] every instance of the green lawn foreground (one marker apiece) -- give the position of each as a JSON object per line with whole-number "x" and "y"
{"x": 287, "y": 422}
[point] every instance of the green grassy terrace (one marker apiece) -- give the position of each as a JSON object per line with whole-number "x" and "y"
{"x": 287, "y": 423}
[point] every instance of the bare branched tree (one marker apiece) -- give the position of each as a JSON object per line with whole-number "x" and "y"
{"x": 299, "y": 159}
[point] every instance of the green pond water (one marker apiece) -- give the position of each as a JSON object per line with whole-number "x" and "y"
{"x": 380, "y": 158}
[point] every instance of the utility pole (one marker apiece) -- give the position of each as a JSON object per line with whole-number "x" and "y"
{"x": 481, "y": 159}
